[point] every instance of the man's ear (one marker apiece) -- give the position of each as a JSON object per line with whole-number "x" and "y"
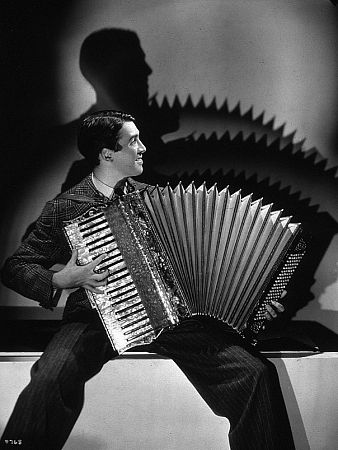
{"x": 107, "y": 154}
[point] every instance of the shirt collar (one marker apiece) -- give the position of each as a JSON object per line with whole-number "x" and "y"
{"x": 123, "y": 187}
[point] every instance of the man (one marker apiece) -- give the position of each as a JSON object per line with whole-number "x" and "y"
{"x": 235, "y": 382}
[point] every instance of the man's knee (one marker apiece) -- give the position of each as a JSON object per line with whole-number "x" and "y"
{"x": 261, "y": 371}
{"x": 47, "y": 372}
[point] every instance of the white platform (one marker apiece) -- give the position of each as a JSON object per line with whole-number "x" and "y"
{"x": 142, "y": 402}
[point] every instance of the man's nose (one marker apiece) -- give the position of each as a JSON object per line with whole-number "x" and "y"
{"x": 141, "y": 146}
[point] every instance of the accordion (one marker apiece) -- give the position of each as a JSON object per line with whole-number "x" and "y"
{"x": 174, "y": 253}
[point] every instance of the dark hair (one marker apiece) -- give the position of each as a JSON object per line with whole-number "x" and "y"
{"x": 100, "y": 130}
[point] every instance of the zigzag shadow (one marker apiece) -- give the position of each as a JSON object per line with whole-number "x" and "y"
{"x": 302, "y": 171}
{"x": 202, "y": 119}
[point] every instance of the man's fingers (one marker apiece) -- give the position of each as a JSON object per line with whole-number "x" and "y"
{"x": 278, "y": 306}
{"x": 101, "y": 275}
{"x": 73, "y": 259}
{"x": 283, "y": 294}
{"x": 271, "y": 312}
{"x": 97, "y": 261}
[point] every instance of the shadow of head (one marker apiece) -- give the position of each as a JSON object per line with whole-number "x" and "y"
{"x": 113, "y": 62}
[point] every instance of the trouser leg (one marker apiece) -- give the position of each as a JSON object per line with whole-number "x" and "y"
{"x": 49, "y": 406}
{"x": 236, "y": 384}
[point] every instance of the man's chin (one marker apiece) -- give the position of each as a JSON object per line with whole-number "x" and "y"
{"x": 138, "y": 171}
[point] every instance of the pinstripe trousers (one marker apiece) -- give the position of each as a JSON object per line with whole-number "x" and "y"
{"x": 235, "y": 383}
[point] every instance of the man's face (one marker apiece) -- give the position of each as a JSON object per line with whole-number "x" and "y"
{"x": 128, "y": 160}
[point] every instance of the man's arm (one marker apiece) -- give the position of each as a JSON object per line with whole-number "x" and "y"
{"x": 29, "y": 271}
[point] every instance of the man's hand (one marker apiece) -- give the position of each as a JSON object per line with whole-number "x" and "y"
{"x": 275, "y": 308}
{"x": 74, "y": 276}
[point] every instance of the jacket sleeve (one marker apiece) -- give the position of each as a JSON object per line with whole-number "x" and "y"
{"x": 28, "y": 271}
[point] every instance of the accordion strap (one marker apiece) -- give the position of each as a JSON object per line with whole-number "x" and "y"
{"x": 81, "y": 198}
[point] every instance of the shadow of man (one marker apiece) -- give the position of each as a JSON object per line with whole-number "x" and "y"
{"x": 114, "y": 63}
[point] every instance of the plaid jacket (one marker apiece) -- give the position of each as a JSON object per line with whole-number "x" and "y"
{"x": 29, "y": 271}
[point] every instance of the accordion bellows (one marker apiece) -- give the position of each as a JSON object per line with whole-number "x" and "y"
{"x": 176, "y": 253}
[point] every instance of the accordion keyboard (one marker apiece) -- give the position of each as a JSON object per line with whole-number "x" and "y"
{"x": 120, "y": 306}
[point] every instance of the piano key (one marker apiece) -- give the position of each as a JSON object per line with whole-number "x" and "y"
{"x": 123, "y": 298}
{"x": 119, "y": 287}
{"x": 141, "y": 332}
{"x": 136, "y": 325}
{"x": 126, "y": 311}
{"x": 116, "y": 284}
{"x": 106, "y": 239}
{"x": 119, "y": 272}
{"x": 95, "y": 230}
